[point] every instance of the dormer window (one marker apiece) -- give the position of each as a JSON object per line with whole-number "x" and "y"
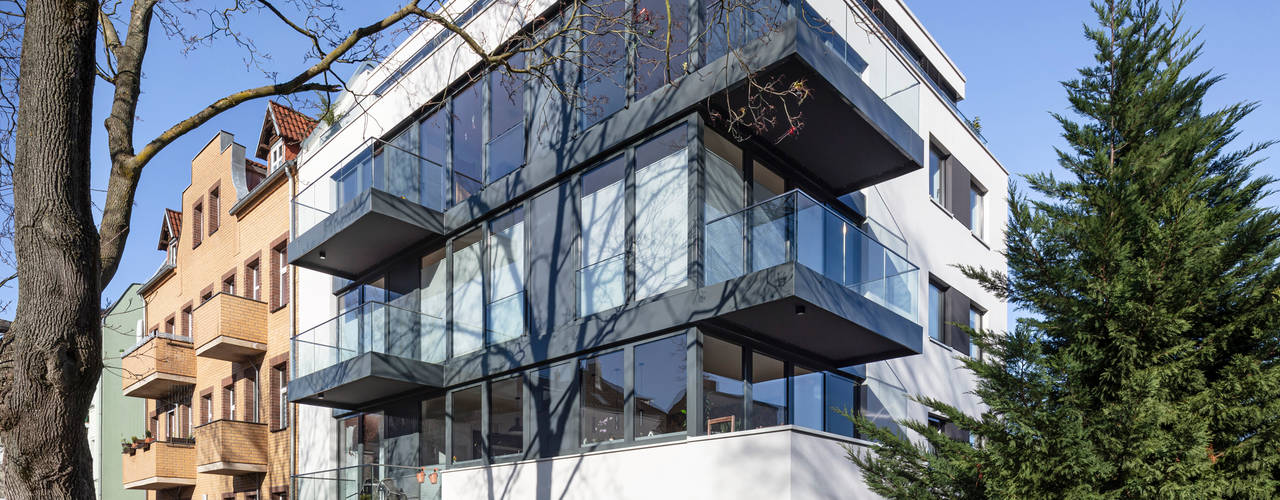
{"x": 276, "y": 157}
{"x": 172, "y": 254}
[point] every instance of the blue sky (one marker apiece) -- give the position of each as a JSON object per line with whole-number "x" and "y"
{"x": 1013, "y": 54}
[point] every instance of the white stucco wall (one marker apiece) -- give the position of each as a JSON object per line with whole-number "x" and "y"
{"x": 782, "y": 463}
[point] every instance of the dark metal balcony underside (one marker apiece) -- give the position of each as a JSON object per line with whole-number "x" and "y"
{"x": 363, "y": 379}
{"x": 363, "y": 233}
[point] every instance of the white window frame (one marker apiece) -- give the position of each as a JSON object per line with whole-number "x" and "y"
{"x": 276, "y": 156}
{"x": 231, "y": 401}
{"x": 255, "y": 281}
{"x": 977, "y": 211}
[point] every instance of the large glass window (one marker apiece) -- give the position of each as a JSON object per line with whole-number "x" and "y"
{"x": 468, "y": 109}
{"x": 402, "y": 165}
{"x": 433, "y": 304}
{"x": 724, "y": 195}
{"x": 505, "y": 148}
{"x": 662, "y": 219}
{"x": 468, "y": 293}
{"x": 722, "y": 386}
{"x": 975, "y": 211}
{"x": 468, "y": 438}
{"x": 807, "y": 405}
{"x": 975, "y": 324}
{"x": 603, "y": 72}
{"x": 935, "y": 312}
{"x": 506, "y": 417}
{"x": 840, "y": 395}
{"x": 506, "y": 282}
{"x": 659, "y": 58}
{"x": 661, "y": 387}
{"x": 768, "y": 391}
{"x": 433, "y": 132}
{"x": 553, "y": 395}
{"x": 603, "y": 397}
{"x": 602, "y": 279}
{"x": 433, "y": 428}
{"x": 936, "y": 157}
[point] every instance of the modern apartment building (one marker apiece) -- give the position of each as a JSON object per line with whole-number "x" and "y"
{"x": 504, "y": 291}
{"x": 114, "y": 418}
{"x": 213, "y": 365}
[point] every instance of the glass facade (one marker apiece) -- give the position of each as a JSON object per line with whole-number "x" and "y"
{"x": 506, "y": 417}
{"x": 662, "y": 218}
{"x": 602, "y": 278}
{"x": 506, "y": 277}
{"x": 603, "y": 397}
{"x": 468, "y": 293}
{"x": 468, "y": 431}
{"x": 936, "y": 326}
{"x": 723, "y": 387}
{"x": 661, "y": 383}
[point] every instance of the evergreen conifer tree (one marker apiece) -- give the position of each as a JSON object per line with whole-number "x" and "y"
{"x": 1148, "y": 366}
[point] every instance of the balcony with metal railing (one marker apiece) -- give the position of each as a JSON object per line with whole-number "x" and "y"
{"x": 372, "y": 204}
{"x": 802, "y": 274}
{"x": 367, "y": 353}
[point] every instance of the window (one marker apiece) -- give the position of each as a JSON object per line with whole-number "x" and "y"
{"x": 661, "y": 387}
{"x": 206, "y": 408}
{"x": 186, "y": 417}
{"x": 171, "y": 254}
{"x": 468, "y": 109}
{"x": 206, "y": 295}
{"x": 724, "y": 194}
{"x": 197, "y": 224}
{"x": 768, "y": 391}
{"x": 602, "y": 278}
{"x": 468, "y": 293}
{"x": 434, "y": 188}
{"x": 506, "y": 417}
{"x": 229, "y": 284}
{"x": 840, "y": 394}
{"x": 214, "y": 212}
{"x": 229, "y": 402}
{"x": 603, "y": 397}
{"x": 276, "y": 157}
{"x": 168, "y": 325}
{"x": 657, "y": 62}
{"x": 468, "y": 443}
{"x": 602, "y": 88}
{"x": 280, "y": 373}
{"x": 280, "y": 257}
{"x": 433, "y": 431}
{"x": 253, "y": 280}
{"x": 506, "y": 277}
{"x": 936, "y": 175}
{"x": 505, "y": 149}
{"x": 936, "y": 328}
{"x": 251, "y": 410}
{"x": 434, "y": 305}
{"x": 171, "y": 428}
{"x": 976, "y": 210}
{"x": 723, "y": 386}
{"x": 975, "y": 324}
{"x": 937, "y": 423}
{"x": 808, "y": 407}
{"x": 186, "y": 321}
{"x": 662, "y": 219}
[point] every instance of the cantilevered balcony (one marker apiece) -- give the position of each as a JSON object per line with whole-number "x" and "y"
{"x": 231, "y": 448}
{"x": 230, "y": 328}
{"x": 159, "y": 364}
{"x": 798, "y": 273}
{"x": 161, "y": 465}
{"x": 372, "y": 352}
{"x": 368, "y": 207}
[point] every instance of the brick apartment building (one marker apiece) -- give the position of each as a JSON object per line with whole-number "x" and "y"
{"x": 213, "y": 361}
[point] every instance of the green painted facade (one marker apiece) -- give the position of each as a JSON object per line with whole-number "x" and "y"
{"x": 115, "y": 416}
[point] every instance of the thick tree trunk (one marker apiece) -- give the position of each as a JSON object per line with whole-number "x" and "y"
{"x": 51, "y": 360}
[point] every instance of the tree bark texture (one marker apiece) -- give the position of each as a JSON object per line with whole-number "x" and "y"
{"x": 51, "y": 359}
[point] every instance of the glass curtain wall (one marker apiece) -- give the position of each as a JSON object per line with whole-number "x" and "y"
{"x": 433, "y": 303}
{"x": 662, "y": 219}
{"x": 505, "y": 149}
{"x": 468, "y": 114}
{"x": 603, "y": 398}
{"x": 506, "y": 277}
{"x": 602, "y": 278}
{"x": 468, "y": 432}
{"x": 661, "y": 382}
{"x": 506, "y": 417}
{"x": 468, "y": 293}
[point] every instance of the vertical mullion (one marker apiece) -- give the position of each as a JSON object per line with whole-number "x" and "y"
{"x": 696, "y": 219}
{"x": 747, "y": 396}
{"x": 486, "y": 118}
{"x": 693, "y": 385}
{"x": 448, "y": 302}
{"x": 629, "y": 195}
{"x": 629, "y": 389}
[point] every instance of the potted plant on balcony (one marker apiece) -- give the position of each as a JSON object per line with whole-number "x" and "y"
{"x": 149, "y": 439}
{"x": 126, "y": 447}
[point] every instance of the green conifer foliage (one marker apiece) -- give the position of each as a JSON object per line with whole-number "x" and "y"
{"x": 1149, "y": 365}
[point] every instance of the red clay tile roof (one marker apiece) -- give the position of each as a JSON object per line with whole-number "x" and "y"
{"x": 256, "y": 165}
{"x": 173, "y": 221}
{"x": 291, "y": 124}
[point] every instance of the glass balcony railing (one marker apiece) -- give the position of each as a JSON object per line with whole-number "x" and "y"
{"x": 370, "y": 482}
{"x": 393, "y": 167}
{"x": 853, "y": 37}
{"x": 792, "y": 227}
{"x": 372, "y": 327}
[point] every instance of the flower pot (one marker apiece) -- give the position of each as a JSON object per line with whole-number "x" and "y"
{"x": 434, "y": 476}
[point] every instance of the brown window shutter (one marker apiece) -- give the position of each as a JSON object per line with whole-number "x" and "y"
{"x": 284, "y": 276}
{"x": 273, "y": 280}
{"x": 273, "y": 403}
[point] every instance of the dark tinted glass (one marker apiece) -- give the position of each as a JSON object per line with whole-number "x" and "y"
{"x": 722, "y": 386}
{"x": 602, "y": 398}
{"x": 432, "y": 438}
{"x": 661, "y": 387}
{"x": 467, "y": 117}
{"x": 468, "y": 438}
{"x": 768, "y": 392}
{"x": 840, "y": 395}
{"x": 506, "y": 418}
